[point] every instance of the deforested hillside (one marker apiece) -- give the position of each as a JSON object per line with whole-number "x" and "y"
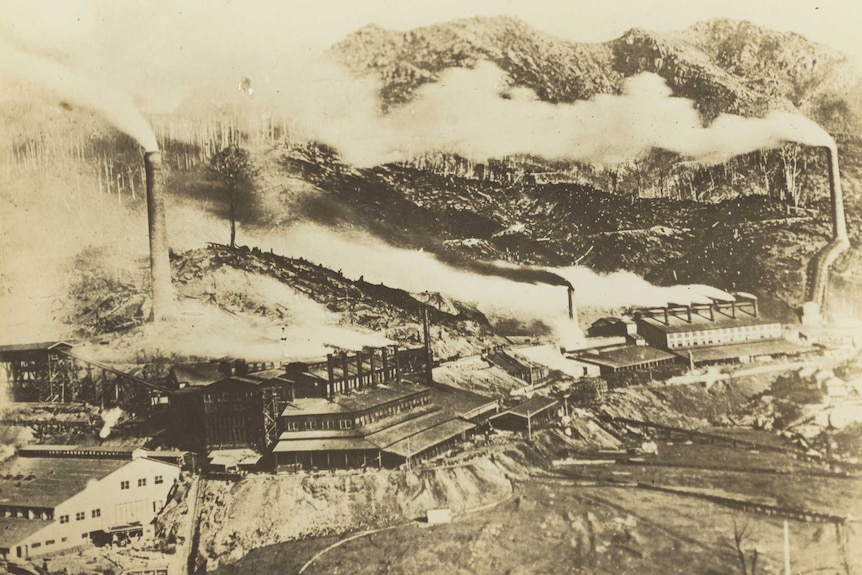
{"x": 726, "y": 66}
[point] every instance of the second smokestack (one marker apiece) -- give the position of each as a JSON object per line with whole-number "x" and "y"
{"x": 571, "y": 292}
{"x": 160, "y": 265}
{"x": 839, "y": 224}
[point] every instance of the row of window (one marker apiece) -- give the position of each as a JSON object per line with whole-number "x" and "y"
{"x": 25, "y": 513}
{"x": 50, "y": 542}
{"x": 309, "y": 424}
{"x": 81, "y": 515}
{"x": 142, "y": 482}
{"x": 723, "y": 335}
{"x": 228, "y": 397}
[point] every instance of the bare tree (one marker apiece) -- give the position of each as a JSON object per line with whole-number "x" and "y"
{"x": 739, "y": 535}
{"x": 235, "y": 171}
{"x": 792, "y": 162}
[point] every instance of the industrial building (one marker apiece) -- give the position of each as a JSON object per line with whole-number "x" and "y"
{"x": 699, "y": 325}
{"x": 717, "y": 332}
{"x": 612, "y": 327}
{"x": 383, "y": 426}
{"x": 627, "y": 358}
{"x": 366, "y": 408}
{"x": 528, "y": 371}
{"x": 55, "y": 498}
{"x": 527, "y": 416}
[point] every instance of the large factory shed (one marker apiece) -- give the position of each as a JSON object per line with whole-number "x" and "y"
{"x": 244, "y": 408}
{"x": 382, "y": 426}
{"x": 55, "y": 503}
{"x": 702, "y": 325}
{"x": 528, "y": 415}
{"x": 627, "y": 358}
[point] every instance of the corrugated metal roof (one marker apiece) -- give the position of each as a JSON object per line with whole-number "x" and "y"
{"x": 629, "y": 356}
{"x": 427, "y": 439}
{"x": 354, "y": 402}
{"x": 319, "y": 434}
{"x": 395, "y": 433}
{"x": 331, "y": 444}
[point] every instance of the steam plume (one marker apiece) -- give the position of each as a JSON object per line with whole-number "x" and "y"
{"x": 110, "y": 417}
{"x": 76, "y": 87}
{"x": 465, "y": 113}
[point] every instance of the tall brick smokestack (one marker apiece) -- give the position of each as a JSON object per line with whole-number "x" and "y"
{"x": 571, "y": 292}
{"x": 160, "y": 266}
{"x": 839, "y": 224}
{"x": 818, "y": 276}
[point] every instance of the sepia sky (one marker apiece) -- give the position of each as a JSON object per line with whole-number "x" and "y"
{"x": 83, "y": 24}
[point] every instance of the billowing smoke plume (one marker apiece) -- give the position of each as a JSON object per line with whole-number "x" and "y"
{"x": 203, "y": 53}
{"x": 110, "y": 418}
{"x": 77, "y": 87}
{"x": 474, "y": 114}
{"x": 11, "y": 438}
{"x": 503, "y": 291}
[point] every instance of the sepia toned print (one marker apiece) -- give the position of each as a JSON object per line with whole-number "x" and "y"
{"x": 471, "y": 287}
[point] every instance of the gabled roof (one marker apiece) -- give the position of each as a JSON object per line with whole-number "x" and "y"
{"x": 532, "y": 407}
{"x": 430, "y": 437}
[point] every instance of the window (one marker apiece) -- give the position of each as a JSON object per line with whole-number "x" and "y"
{"x": 64, "y": 519}
{"x": 96, "y": 513}
{"x": 124, "y": 484}
{"x": 36, "y": 545}
{"x": 80, "y": 515}
{"x": 64, "y": 539}
{"x": 83, "y": 535}
{"x": 159, "y": 480}
{"x": 142, "y": 482}
{"x": 49, "y": 542}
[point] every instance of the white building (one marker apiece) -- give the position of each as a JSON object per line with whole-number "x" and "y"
{"x": 60, "y": 501}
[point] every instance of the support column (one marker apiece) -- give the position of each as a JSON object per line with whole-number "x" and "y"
{"x": 345, "y": 372}
{"x": 397, "y": 366}
{"x": 330, "y": 372}
{"x": 385, "y": 352}
{"x": 373, "y": 367}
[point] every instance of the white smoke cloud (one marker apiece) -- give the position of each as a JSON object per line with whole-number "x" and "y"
{"x": 465, "y": 112}
{"x": 358, "y": 254}
{"x": 77, "y": 87}
{"x": 110, "y": 418}
{"x": 192, "y": 62}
